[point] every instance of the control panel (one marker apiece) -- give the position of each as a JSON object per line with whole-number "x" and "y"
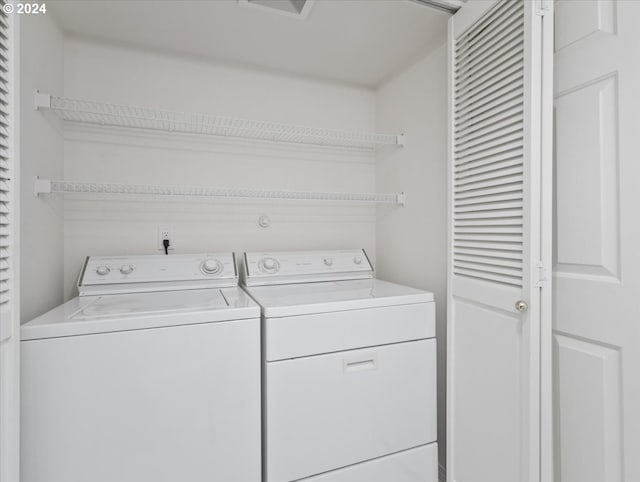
{"x": 156, "y": 272}
{"x": 305, "y": 266}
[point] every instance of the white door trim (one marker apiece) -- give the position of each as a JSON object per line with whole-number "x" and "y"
{"x": 546, "y": 246}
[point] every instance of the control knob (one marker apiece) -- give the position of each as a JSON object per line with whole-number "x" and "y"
{"x": 103, "y": 270}
{"x": 211, "y": 266}
{"x": 328, "y": 261}
{"x": 126, "y": 269}
{"x": 357, "y": 260}
{"x": 270, "y": 265}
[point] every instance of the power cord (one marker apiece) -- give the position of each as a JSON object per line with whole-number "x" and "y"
{"x": 165, "y": 243}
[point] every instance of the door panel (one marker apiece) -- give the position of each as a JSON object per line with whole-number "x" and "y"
{"x": 490, "y": 380}
{"x": 497, "y": 71}
{"x": 596, "y": 282}
{"x": 588, "y": 379}
{"x": 577, "y": 19}
{"x": 586, "y": 143}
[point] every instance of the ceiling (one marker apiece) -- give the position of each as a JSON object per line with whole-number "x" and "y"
{"x": 356, "y": 41}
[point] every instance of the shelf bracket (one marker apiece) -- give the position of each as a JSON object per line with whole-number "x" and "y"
{"x": 42, "y": 100}
{"x": 41, "y": 186}
{"x": 401, "y": 199}
{"x": 402, "y": 140}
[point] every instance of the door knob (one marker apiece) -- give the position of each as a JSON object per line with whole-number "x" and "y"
{"x": 522, "y": 306}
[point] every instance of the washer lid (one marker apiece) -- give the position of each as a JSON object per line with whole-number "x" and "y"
{"x": 140, "y": 304}
{"x": 85, "y": 315}
{"x": 322, "y": 297}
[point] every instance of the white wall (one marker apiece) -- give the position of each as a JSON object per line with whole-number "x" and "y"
{"x": 412, "y": 241}
{"x": 113, "y": 74}
{"x": 41, "y": 145}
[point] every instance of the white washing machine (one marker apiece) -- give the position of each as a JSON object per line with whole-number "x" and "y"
{"x": 152, "y": 374}
{"x": 349, "y": 375}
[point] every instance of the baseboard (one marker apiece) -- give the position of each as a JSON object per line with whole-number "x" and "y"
{"x": 442, "y": 473}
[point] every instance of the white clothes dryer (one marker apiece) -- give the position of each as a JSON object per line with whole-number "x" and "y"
{"x": 349, "y": 376}
{"x": 152, "y": 374}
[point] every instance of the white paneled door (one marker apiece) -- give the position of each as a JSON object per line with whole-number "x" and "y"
{"x": 499, "y": 335}
{"x": 596, "y": 308}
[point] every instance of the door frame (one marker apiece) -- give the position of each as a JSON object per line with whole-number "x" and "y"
{"x": 546, "y": 7}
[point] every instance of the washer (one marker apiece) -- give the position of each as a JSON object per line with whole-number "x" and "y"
{"x": 151, "y": 374}
{"x": 349, "y": 373}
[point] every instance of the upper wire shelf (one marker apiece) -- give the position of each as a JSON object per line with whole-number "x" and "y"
{"x": 116, "y": 115}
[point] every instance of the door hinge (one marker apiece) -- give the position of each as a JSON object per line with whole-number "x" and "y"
{"x": 543, "y": 7}
{"x": 540, "y": 274}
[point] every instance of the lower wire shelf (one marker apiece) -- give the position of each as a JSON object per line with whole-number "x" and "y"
{"x": 46, "y": 186}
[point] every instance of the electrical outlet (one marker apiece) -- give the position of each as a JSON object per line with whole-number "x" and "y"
{"x": 165, "y": 232}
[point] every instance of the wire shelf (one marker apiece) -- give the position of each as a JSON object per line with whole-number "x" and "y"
{"x": 45, "y": 186}
{"x": 116, "y": 115}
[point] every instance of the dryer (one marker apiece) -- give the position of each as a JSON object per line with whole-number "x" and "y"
{"x": 152, "y": 374}
{"x": 349, "y": 370}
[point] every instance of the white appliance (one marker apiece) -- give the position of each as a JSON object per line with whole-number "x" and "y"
{"x": 349, "y": 387}
{"x": 152, "y": 374}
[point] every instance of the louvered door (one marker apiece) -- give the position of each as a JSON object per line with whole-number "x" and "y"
{"x": 494, "y": 309}
{"x": 9, "y": 325}
{"x": 5, "y": 172}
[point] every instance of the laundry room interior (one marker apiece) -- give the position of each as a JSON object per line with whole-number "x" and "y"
{"x": 291, "y": 143}
{"x": 333, "y": 89}
{"x": 331, "y": 77}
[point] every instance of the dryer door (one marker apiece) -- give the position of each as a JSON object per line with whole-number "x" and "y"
{"x": 330, "y": 411}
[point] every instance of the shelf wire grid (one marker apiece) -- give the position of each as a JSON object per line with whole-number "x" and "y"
{"x": 72, "y": 187}
{"x": 117, "y": 115}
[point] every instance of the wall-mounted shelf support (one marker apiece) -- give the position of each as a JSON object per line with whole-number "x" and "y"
{"x": 42, "y": 101}
{"x": 46, "y": 186}
{"x": 41, "y": 186}
{"x": 116, "y": 115}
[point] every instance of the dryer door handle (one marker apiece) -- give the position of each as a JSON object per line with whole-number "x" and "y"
{"x": 363, "y": 363}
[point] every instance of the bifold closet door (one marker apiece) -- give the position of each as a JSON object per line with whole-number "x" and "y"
{"x": 9, "y": 301}
{"x": 500, "y": 195}
{"x": 596, "y": 272}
